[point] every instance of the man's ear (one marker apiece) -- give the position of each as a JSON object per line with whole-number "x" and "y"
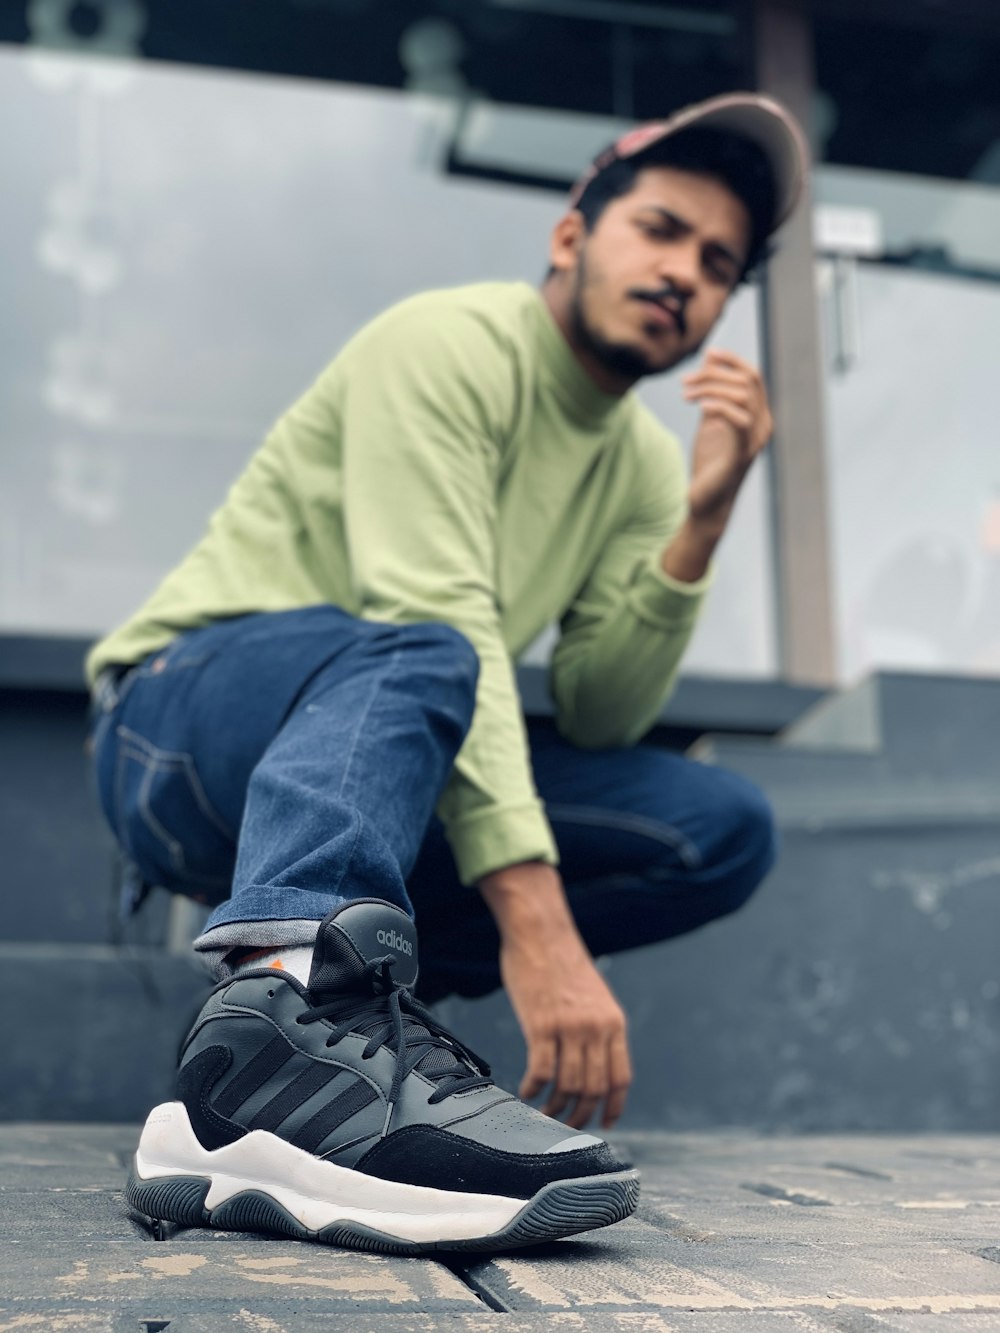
{"x": 567, "y": 240}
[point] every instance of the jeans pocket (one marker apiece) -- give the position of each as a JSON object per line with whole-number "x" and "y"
{"x": 165, "y": 822}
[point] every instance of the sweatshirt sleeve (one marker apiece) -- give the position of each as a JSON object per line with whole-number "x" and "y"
{"x": 422, "y": 414}
{"x": 626, "y": 631}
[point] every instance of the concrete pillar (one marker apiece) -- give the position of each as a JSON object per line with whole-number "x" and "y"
{"x": 794, "y": 367}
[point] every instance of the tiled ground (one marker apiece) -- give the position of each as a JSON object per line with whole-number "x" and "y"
{"x": 735, "y": 1234}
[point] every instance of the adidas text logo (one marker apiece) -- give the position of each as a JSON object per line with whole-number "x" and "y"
{"x": 395, "y": 941}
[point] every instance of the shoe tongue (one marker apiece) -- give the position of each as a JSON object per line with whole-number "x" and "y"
{"x": 354, "y": 935}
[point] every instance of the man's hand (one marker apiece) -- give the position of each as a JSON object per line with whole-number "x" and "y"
{"x": 736, "y": 424}
{"x": 574, "y": 1027}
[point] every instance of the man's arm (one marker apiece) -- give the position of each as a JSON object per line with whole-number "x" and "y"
{"x": 575, "y": 1029}
{"x": 573, "y": 1026}
{"x": 628, "y": 627}
{"x": 625, "y": 634}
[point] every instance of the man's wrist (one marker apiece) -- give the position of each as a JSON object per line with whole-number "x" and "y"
{"x": 525, "y": 898}
{"x": 689, "y": 553}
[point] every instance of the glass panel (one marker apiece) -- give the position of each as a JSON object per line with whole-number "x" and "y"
{"x": 180, "y": 261}
{"x": 185, "y": 251}
{"x": 915, "y": 477}
{"x": 908, "y": 126}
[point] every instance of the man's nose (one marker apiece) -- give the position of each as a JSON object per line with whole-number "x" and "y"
{"x": 680, "y": 267}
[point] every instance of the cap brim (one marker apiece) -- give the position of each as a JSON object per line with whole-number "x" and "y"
{"x": 755, "y": 116}
{"x": 765, "y": 122}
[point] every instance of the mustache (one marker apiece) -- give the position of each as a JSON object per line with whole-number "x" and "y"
{"x": 667, "y": 298}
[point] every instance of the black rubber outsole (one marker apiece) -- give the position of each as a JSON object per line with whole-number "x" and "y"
{"x": 563, "y": 1208}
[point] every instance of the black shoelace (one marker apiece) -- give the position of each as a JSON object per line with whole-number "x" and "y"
{"x": 397, "y": 1020}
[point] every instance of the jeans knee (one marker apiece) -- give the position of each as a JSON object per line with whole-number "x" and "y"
{"x": 751, "y": 836}
{"x": 459, "y": 654}
{"x": 456, "y": 662}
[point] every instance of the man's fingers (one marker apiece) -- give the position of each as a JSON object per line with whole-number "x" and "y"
{"x": 582, "y": 1112}
{"x": 619, "y": 1061}
{"x": 595, "y": 1084}
{"x": 541, "y": 1068}
{"x": 613, "y": 1108}
{"x": 620, "y": 1074}
{"x": 756, "y": 433}
{"x": 731, "y": 392}
{"x": 721, "y": 373}
{"x": 719, "y": 356}
{"x": 727, "y": 375}
{"x": 740, "y": 417}
{"x": 569, "y": 1077}
{"x": 557, "y": 1103}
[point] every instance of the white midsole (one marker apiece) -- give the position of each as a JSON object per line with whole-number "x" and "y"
{"x": 314, "y": 1191}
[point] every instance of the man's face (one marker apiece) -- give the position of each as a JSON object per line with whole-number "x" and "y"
{"x": 652, "y": 278}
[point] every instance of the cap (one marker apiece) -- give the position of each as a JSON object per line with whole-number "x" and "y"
{"x": 752, "y": 115}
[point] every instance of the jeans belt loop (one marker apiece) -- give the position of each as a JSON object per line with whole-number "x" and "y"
{"x": 105, "y": 692}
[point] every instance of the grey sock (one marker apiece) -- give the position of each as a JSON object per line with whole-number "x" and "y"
{"x": 214, "y": 945}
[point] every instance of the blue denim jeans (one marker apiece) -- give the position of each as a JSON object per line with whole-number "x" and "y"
{"x": 277, "y": 764}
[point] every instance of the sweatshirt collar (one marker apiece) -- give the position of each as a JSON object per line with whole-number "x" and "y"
{"x": 578, "y": 395}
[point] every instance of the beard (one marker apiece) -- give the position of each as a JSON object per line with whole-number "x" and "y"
{"x": 620, "y": 358}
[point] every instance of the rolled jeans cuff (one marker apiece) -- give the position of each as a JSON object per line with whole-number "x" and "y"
{"x": 215, "y": 944}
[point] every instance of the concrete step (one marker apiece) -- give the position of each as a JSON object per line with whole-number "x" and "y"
{"x": 813, "y": 788}
{"x": 58, "y": 859}
{"x": 895, "y": 752}
{"x": 939, "y": 723}
{"x": 858, "y": 989}
{"x": 91, "y": 1032}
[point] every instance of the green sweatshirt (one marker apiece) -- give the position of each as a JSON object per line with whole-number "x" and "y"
{"x": 455, "y": 463}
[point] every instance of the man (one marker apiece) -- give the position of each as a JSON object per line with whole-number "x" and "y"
{"x": 313, "y": 723}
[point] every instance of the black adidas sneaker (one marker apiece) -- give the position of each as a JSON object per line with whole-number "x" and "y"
{"x": 343, "y": 1112}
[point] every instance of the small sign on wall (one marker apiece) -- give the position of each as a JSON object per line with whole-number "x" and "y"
{"x": 840, "y": 230}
